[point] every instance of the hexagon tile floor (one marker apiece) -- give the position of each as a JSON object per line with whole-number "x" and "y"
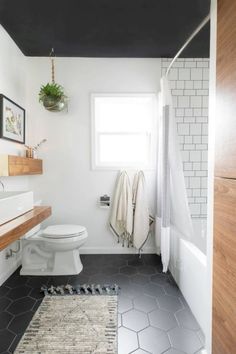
{"x": 153, "y": 315}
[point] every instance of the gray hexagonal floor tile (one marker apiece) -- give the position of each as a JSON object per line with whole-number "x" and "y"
{"x": 21, "y": 305}
{"x": 135, "y": 320}
{"x": 145, "y": 303}
{"x": 6, "y": 338}
{"x": 160, "y": 279}
{"x": 140, "y": 279}
{"x": 153, "y": 340}
{"x": 5, "y": 319}
{"x": 184, "y": 302}
{"x": 96, "y": 279}
{"x": 137, "y": 262}
{"x": 36, "y": 294}
{"x": 185, "y": 340}
{"x": 131, "y": 291}
{"x": 187, "y": 320}
{"x": 127, "y": 341}
{"x": 128, "y": 270}
{"x": 201, "y": 336}
{"x": 162, "y": 319}
{"x": 120, "y": 279}
{"x": 201, "y": 351}
{"x": 153, "y": 289}
{"x": 16, "y": 280}
{"x": 19, "y": 292}
{"x": 4, "y": 303}
{"x": 3, "y": 290}
{"x": 14, "y": 344}
{"x": 91, "y": 270}
{"x": 142, "y": 291}
{"x": 21, "y": 322}
{"x": 172, "y": 289}
{"x": 169, "y": 303}
{"x": 174, "y": 351}
{"x": 124, "y": 304}
{"x": 147, "y": 270}
{"x": 109, "y": 270}
{"x": 37, "y": 281}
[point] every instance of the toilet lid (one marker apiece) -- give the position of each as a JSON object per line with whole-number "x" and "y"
{"x": 63, "y": 231}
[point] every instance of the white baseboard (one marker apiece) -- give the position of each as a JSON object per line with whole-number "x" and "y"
{"x": 115, "y": 250}
{"x": 8, "y": 273}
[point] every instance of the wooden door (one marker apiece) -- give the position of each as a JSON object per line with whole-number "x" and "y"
{"x": 224, "y": 255}
{"x": 224, "y": 260}
{"x": 226, "y": 90}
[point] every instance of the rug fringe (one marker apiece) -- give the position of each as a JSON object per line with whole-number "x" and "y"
{"x": 85, "y": 289}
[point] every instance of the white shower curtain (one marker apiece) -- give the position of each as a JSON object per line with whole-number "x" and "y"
{"x": 172, "y": 201}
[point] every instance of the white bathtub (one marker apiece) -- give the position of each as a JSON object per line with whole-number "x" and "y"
{"x": 188, "y": 266}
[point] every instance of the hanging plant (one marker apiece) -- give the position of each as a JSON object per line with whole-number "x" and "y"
{"x": 52, "y": 95}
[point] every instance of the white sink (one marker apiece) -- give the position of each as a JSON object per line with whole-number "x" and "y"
{"x": 13, "y": 204}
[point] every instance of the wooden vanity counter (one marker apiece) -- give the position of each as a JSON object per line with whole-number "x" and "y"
{"x": 16, "y": 228}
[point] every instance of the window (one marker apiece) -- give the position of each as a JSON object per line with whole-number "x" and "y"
{"x": 123, "y": 130}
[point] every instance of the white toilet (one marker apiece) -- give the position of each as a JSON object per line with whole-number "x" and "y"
{"x": 53, "y": 251}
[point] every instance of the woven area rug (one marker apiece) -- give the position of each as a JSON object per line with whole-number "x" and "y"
{"x": 72, "y": 324}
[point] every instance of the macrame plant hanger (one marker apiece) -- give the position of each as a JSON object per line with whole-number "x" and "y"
{"x": 52, "y": 56}
{"x": 52, "y": 94}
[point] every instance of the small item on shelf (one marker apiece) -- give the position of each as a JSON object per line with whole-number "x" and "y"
{"x": 31, "y": 151}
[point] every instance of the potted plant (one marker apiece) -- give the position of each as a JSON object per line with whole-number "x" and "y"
{"x": 53, "y": 97}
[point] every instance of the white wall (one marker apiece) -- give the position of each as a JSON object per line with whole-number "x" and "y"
{"x": 69, "y": 184}
{"x": 12, "y": 85}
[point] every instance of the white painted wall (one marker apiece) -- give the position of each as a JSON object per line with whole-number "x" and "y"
{"x": 12, "y": 85}
{"x": 189, "y": 82}
{"x": 69, "y": 184}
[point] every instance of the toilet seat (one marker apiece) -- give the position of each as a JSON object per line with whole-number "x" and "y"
{"x": 63, "y": 231}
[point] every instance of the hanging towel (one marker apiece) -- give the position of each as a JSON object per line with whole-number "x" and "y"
{"x": 141, "y": 212}
{"x": 121, "y": 218}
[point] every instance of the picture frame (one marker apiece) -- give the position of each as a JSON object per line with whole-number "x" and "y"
{"x": 12, "y": 120}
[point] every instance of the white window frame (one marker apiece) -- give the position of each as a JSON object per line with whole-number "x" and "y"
{"x": 94, "y": 135}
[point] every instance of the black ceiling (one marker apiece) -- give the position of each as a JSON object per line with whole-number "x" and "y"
{"x": 106, "y": 28}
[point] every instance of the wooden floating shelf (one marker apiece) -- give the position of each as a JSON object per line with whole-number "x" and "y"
{"x": 16, "y": 228}
{"x": 17, "y": 166}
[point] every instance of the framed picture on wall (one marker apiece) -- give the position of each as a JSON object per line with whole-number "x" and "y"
{"x": 12, "y": 120}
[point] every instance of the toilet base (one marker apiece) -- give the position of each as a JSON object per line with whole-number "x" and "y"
{"x": 60, "y": 263}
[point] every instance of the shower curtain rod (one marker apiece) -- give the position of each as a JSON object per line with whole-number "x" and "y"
{"x": 197, "y": 30}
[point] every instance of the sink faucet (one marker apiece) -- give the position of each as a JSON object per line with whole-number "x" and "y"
{"x": 3, "y": 187}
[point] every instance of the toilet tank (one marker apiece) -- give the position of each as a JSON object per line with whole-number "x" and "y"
{"x": 33, "y": 231}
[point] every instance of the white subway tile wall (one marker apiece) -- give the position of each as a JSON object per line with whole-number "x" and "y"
{"x": 189, "y": 82}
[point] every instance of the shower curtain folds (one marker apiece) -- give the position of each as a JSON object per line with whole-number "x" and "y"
{"x": 172, "y": 201}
